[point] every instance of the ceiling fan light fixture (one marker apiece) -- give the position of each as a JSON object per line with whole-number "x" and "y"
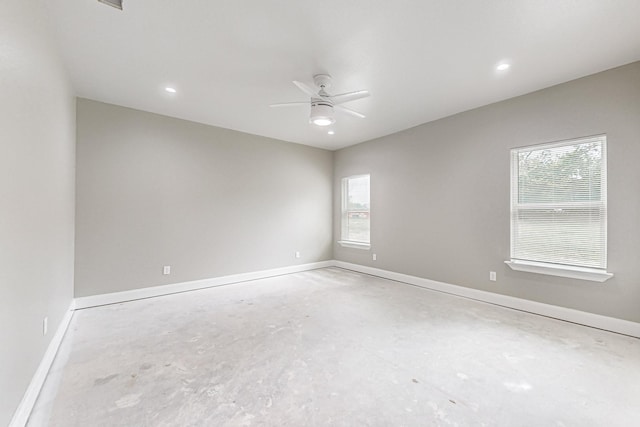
{"x": 321, "y": 113}
{"x": 323, "y": 121}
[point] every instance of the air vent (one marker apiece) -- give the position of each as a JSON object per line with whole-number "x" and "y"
{"x": 115, "y": 3}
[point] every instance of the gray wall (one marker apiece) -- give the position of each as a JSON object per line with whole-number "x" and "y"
{"x": 37, "y": 143}
{"x": 440, "y": 192}
{"x": 155, "y": 191}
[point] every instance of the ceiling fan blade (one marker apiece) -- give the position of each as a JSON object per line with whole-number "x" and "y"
{"x": 289, "y": 104}
{"x": 349, "y": 96}
{"x": 349, "y": 111}
{"x": 307, "y": 89}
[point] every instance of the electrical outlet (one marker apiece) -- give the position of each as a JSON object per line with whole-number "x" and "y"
{"x": 375, "y": 257}
{"x": 45, "y": 326}
{"x": 166, "y": 269}
{"x": 492, "y": 276}
{"x": 297, "y": 254}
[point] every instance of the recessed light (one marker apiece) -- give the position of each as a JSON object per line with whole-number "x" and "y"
{"x": 502, "y": 67}
{"x": 331, "y": 132}
{"x": 170, "y": 89}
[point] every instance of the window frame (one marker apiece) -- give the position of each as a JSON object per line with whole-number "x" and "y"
{"x": 545, "y": 267}
{"x": 344, "y": 212}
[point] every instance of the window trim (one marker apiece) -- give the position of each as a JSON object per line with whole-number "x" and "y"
{"x": 548, "y": 268}
{"x": 582, "y": 273}
{"x": 354, "y": 245}
{"x": 343, "y": 211}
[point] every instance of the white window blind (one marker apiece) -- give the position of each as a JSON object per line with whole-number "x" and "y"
{"x": 356, "y": 210}
{"x": 559, "y": 203}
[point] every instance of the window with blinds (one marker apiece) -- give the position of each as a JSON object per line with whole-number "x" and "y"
{"x": 355, "y": 211}
{"x": 559, "y": 203}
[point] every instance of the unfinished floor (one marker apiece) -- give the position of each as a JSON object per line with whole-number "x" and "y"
{"x": 334, "y": 347}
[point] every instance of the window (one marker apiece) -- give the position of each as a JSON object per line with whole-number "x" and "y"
{"x": 355, "y": 212}
{"x": 559, "y": 209}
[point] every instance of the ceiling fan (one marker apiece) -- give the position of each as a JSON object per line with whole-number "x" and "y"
{"x": 323, "y": 104}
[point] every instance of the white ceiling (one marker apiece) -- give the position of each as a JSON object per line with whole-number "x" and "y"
{"x": 420, "y": 59}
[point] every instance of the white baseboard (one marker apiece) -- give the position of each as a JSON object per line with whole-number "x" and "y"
{"x": 154, "y": 291}
{"x": 23, "y": 411}
{"x": 575, "y": 316}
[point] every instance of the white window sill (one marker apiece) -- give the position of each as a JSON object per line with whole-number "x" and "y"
{"x": 355, "y": 245}
{"x": 592, "y": 274}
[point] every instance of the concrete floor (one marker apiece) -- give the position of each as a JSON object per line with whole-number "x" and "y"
{"x": 333, "y": 347}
